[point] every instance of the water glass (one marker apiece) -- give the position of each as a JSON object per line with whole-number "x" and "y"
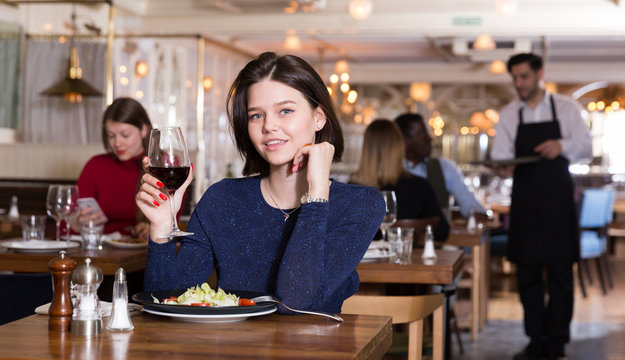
{"x": 33, "y": 227}
{"x": 400, "y": 240}
{"x": 91, "y": 234}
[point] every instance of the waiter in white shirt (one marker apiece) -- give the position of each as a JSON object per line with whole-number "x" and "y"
{"x": 543, "y": 222}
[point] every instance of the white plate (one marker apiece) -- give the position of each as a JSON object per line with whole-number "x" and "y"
{"x": 213, "y": 318}
{"x": 125, "y": 245}
{"x": 376, "y": 255}
{"x": 39, "y": 246}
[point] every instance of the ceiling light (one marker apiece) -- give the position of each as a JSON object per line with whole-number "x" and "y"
{"x": 72, "y": 87}
{"x": 506, "y": 7}
{"x": 141, "y": 69}
{"x": 292, "y": 42}
{"x": 352, "y": 95}
{"x": 497, "y": 67}
{"x": 334, "y": 79}
{"x": 484, "y": 42}
{"x": 551, "y": 87}
{"x": 420, "y": 91}
{"x": 360, "y": 9}
{"x": 341, "y": 66}
{"x": 207, "y": 83}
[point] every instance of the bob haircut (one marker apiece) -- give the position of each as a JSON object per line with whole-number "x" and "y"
{"x": 381, "y": 161}
{"x": 126, "y": 111}
{"x": 534, "y": 61}
{"x": 291, "y": 71}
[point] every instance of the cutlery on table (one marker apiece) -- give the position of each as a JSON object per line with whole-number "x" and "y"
{"x": 269, "y": 298}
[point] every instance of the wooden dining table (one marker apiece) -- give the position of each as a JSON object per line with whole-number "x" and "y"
{"x": 271, "y": 336}
{"x": 109, "y": 259}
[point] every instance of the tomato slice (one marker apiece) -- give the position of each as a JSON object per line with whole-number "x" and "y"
{"x": 200, "y": 304}
{"x": 171, "y": 298}
{"x": 246, "y": 302}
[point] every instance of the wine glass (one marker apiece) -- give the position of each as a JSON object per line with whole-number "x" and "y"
{"x": 391, "y": 212}
{"x": 67, "y": 204}
{"x": 52, "y": 199}
{"x": 169, "y": 162}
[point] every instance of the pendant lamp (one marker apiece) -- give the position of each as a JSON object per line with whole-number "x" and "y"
{"x": 72, "y": 88}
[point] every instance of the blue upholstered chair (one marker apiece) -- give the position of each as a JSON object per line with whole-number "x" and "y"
{"x": 596, "y": 213}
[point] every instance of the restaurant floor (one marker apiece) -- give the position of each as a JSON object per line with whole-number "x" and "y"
{"x": 597, "y": 331}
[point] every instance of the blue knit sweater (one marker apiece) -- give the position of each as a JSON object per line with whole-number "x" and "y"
{"x": 309, "y": 260}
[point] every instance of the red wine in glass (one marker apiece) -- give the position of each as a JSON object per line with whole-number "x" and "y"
{"x": 171, "y": 177}
{"x": 169, "y": 163}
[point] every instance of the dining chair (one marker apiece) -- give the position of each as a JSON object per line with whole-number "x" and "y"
{"x": 595, "y": 216}
{"x": 409, "y": 310}
{"x": 419, "y": 226}
{"x": 450, "y": 290}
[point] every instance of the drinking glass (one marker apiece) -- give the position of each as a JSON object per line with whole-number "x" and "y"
{"x": 391, "y": 212}
{"x": 169, "y": 163}
{"x": 91, "y": 234}
{"x": 401, "y": 239}
{"x": 67, "y": 204}
{"x": 52, "y": 199}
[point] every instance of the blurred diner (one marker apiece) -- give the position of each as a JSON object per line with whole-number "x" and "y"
{"x": 442, "y": 173}
{"x": 381, "y": 166}
{"x": 113, "y": 178}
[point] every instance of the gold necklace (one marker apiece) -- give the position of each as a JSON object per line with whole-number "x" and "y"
{"x": 286, "y": 214}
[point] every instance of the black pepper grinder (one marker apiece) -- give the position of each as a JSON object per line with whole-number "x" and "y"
{"x": 60, "y": 311}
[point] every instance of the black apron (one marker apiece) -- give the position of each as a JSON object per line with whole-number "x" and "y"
{"x": 543, "y": 220}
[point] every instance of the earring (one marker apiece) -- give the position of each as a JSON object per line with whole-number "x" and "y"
{"x": 318, "y": 126}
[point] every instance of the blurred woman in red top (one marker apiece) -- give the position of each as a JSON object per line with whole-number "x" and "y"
{"x": 113, "y": 178}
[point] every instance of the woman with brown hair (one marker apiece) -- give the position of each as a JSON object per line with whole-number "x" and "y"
{"x": 381, "y": 166}
{"x": 286, "y": 228}
{"x": 113, "y": 178}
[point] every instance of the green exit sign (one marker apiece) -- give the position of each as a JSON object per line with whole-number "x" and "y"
{"x": 466, "y": 21}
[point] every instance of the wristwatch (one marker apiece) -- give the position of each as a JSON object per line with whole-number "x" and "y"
{"x": 307, "y": 199}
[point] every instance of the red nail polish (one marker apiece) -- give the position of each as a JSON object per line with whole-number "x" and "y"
{"x": 162, "y": 197}
{"x": 156, "y": 203}
{"x": 159, "y": 184}
{"x": 299, "y": 166}
{"x": 191, "y": 166}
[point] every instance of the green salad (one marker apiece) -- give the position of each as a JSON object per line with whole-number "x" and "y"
{"x": 203, "y": 295}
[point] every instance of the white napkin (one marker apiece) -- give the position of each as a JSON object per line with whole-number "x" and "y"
{"x": 105, "y": 308}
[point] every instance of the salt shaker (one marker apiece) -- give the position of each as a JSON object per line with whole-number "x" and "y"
{"x": 60, "y": 310}
{"x": 428, "y": 252}
{"x": 120, "y": 317}
{"x": 471, "y": 223}
{"x": 14, "y": 213}
{"x": 87, "y": 319}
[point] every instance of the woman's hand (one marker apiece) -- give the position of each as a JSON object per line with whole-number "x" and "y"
{"x": 318, "y": 159}
{"x": 152, "y": 199}
{"x": 84, "y": 216}
{"x": 141, "y": 231}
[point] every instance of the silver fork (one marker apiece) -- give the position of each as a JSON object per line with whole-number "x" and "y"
{"x": 269, "y": 298}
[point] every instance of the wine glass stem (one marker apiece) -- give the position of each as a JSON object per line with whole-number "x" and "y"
{"x": 58, "y": 230}
{"x": 67, "y": 228}
{"x": 383, "y": 234}
{"x": 173, "y": 211}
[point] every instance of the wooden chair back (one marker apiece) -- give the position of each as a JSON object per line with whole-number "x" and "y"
{"x": 405, "y": 310}
{"x": 419, "y": 226}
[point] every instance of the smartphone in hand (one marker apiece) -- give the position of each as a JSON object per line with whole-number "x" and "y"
{"x": 84, "y": 203}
